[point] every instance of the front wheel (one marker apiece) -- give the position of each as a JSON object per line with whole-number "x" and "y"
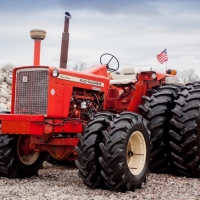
{"x": 16, "y": 160}
{"x": 125, "y": 153}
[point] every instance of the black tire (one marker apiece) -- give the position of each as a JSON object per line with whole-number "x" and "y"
{"x": 11, "y": 164}
{"x": 157, "y": 109}
{"x": 89, "y": 152}
{"x": 185, "y": 133}
{"x": 114, "y": 161}
{"x": 194, "y": 85}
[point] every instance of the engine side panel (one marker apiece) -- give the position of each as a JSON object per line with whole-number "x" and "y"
{"x": 36, "y": 91}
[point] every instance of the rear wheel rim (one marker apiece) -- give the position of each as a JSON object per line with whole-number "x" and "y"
{"x": 29, "y": 157}
{"x": 136, "y": 153}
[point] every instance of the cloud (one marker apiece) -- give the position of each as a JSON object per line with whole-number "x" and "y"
{"x": 134, "y": 31}
{"x": 108, "y": 8}
{"x": 23, "y": 7}
{"x": 117, "y": 7}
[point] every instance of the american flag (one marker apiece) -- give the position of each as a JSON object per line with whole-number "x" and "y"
{"x": 162, "y": 57}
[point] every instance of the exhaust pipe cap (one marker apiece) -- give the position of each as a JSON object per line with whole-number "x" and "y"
{"x": 68, "y": 15}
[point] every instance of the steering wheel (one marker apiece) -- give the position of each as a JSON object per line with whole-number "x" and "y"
{"x": 110, "y": 69}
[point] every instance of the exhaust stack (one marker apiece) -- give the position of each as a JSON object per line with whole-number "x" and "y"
{"x": 37, "y": 35}
{"x": 65, "y": 42}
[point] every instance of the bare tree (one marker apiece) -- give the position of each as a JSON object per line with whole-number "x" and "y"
{"x": 174, "y": 79}
{"x": 184, "y": 76}
{"x": 78, "y": 66}
{"x": 187, "y": 76}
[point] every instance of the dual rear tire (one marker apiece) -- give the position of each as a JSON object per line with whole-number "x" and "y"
{"x": 89, "y": 152}
{"x": 118, "y": 155}
{"x": 174, "y": 121}
{"x": 157, "y": 109}
{"x": 185, "y": 132}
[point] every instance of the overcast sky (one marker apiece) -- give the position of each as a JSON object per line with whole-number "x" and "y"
{"x": 135, "y": 31}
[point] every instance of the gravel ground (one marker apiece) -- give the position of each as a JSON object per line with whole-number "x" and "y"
{"x": 61, "y": 182}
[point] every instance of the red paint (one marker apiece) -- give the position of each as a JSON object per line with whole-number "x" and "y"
{"x": 36, "y": 60}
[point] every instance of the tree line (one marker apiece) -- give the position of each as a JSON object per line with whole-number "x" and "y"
{"x": 184, "y": 76}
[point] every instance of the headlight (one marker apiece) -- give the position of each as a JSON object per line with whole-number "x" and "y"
{"x": 55, "y": 73}
{"x": 153, "y": 76}
{"x": 10, "y": 74}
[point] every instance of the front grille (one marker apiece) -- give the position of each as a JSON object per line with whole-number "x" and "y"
{"x": 31, "y": 94}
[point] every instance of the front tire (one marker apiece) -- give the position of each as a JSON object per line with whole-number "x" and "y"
{"x": 125, "y": 153}
{"x": 14, "y": 163}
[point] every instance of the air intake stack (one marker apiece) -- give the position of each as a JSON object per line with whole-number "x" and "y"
{"x": 65, "y": 42}
{"x": 37, "y": 35}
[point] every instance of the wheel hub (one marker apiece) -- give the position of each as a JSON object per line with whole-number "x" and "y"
{"x": 130, "y": 153}
{"x": 26, "y": 155}
{"x": 136, "y": 153}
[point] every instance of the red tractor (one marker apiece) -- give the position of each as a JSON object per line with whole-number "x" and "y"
{"x": 91, "y": 117}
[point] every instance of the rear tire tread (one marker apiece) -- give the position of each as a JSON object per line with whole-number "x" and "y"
{"x": 88, "y": 150}
{"x": 158, "y": 110}
{"x": 186, "y": 152}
